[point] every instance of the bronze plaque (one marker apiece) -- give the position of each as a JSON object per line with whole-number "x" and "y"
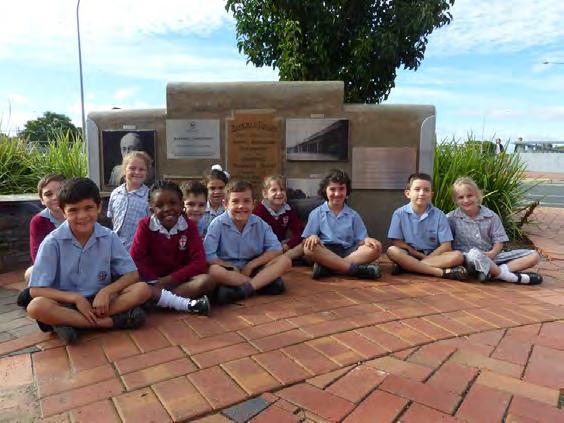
{"x": 382, "y": 167}
{"x": 254, "y": 146}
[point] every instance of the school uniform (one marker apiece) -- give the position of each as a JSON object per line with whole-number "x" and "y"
{"x": 481, "y": 233}
{"x": 126, "y": 209}
{"x": 159, "y": 252}
{"x": 224, "y": 241}
{"x": 41, "y": 225}
{"x": 210, "y": 214}
{"x": 340, "y": 233}
{"x": 62, "y": 263}
{"x": 281, "y": 221}
{"x": 423, "y": 233}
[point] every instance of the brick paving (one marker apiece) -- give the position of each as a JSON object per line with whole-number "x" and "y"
{"x": 407, "y": 348}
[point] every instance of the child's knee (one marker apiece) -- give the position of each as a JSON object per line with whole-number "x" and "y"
{"x": 37, "y": 307}
{"x": 393, "y": 251}
{"x": 215, "y": 270}
{"x": 310, "y": 252}
{"x": 142, "y": 291}
{"x": 535, "y": 258}
{"x": 27, "y": 274}
{"x": 457, "y": 257}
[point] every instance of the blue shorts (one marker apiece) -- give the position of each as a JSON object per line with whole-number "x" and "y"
{"x": 340, "y": 250}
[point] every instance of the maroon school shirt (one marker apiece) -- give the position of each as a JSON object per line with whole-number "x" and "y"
{"x": 280, "y": 225}
{"x": 39, "y": 228}
{"x": 181, "y": 256}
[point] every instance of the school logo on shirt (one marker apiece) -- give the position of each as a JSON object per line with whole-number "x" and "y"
{"x": 102, "y": 276}
{"x": 182, "y": 242}
{"x": 285, "y": 220}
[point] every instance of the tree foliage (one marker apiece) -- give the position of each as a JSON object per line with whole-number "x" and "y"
{"x": 49, "y": 126}
{"x": 361, "y": 42}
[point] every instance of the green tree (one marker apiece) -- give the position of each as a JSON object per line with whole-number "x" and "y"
{"x": 48, "y": 127}
{"x": 361, "y": 42}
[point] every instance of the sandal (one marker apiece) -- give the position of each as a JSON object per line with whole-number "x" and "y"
{"x": 458, "y": 273}
{"x": 534, "y": 278}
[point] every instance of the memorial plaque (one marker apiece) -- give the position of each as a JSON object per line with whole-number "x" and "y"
{"x": 254, "y": 146}
{"x": 382, "y": 167}
{"x": 192, "y": 139}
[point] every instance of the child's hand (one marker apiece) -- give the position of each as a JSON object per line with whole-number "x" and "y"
{"x": 101, "y": 303}
{"x": 248, "y": 269}
{"x": 491, "y": 254}
{"x": 311, "y": 241}
{"x": 285, "y": 247}
{"x": 374, "y": 244}
{"x": 85, "y": 308}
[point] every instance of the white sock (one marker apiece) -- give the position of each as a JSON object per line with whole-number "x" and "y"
{"x": 176, "y": 302}
{"x": 506, "y": 275}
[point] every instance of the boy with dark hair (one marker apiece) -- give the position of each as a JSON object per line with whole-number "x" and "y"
{"x": 195, "y": 195}
{"x": 421, "y": 236}
{"x": 243, "y": 252}
{"x": 71, "y": 284}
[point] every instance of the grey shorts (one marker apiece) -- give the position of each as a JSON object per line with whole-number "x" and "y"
{"x": 340, "y": 250}
{"x": 507, "y": 255}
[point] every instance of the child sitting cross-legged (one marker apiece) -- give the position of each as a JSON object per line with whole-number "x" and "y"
{"x": 479, "y": 234}
{"x": 335, "y": 237}
{"x": 169, "y": 253}
{"x": 243, "y": 252}
{"x": 71, "y": 283}
{"x": 421, "y": 236}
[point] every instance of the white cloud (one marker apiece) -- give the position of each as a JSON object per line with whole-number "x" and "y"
{"x": 124, "y": 93}
{"x": 495, "y": 26}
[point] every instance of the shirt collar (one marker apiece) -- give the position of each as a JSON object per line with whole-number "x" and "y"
{"x": 285, "y": 207}
{"x": 64, "y": 231}
{"x": 139, "y": 192}
{"x": 46, "y": 213}
{"x": 428, "y": 211}
{"x": 483, "y": 213}
{"x": 226, "y": 220}
{"x": 325, "y": 208}
{"x": 155, "y": 225}
{"x": 210, "y": 210}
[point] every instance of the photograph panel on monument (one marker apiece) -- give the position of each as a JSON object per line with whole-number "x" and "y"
{"x": 317, "y": 139}
{"x": 116, "y": 144}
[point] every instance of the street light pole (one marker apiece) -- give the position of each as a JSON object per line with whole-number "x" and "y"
{"x": 80, "y": 72}
{"x": 546, "y": 62}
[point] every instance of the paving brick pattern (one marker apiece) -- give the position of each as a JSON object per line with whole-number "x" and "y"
{"x": 405, "y": 349}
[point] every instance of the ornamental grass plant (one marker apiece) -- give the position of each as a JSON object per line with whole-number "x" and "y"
{"x": 499, "y": 176}
{"x": 22, "y": 164}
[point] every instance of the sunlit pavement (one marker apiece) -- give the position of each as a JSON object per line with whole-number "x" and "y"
{"x": 405, "y": 348}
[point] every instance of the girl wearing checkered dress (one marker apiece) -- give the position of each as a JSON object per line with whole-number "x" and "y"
{"x": 129, "y": 203}
{"x": 479, "y": 234}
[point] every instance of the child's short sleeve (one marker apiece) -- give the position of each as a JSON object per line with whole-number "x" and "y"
{"x": 444, "y": 234}
{"x": 312, "y": 226}
{"x": 359, "y": 229}
{"x": 498, "y": 233}
{"x": 46, "y": 266}
{"x": 395, "y": 231}
{"x": 271, "y": 242}
{"x": 121, "y": 261}
{"x": 211, "y": 241}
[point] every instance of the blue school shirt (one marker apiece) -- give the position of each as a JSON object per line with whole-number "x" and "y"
{"x": 126, "y": 209}
{"x": 346, "y": 229}
{"x": 423, "y": 233}
{"x": 62, "y": 263}
{"x": 225, "y": 242}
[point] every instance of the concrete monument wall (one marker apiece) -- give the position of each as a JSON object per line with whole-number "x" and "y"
{"x": 384, "y": 144}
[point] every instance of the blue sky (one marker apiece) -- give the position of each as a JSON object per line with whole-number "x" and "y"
{"x": 484, "y": 72}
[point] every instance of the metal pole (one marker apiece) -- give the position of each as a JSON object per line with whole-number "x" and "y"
{"x": 80, "y": 72}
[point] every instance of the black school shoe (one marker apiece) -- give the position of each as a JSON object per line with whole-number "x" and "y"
{"x": 129, "y": 319}
{"x": 276, "y": 287}
{"x": 67, "y": 334}
{"x": 200, "y": 306}
{"x": 320, "y": 271}
{"x": 534, "y": 278}
{"x": 397, "y": 269}
{"x": 228, "y": 294}
{"x": 367, "y": 271}
{"x": 458, "y": 273}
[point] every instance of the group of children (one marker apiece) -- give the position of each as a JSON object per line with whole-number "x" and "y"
{"x": 178, "y": 247}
